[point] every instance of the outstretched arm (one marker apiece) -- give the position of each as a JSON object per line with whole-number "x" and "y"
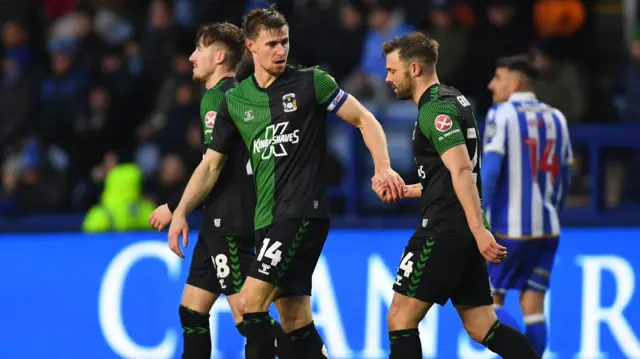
{"x": 334, "y": 99}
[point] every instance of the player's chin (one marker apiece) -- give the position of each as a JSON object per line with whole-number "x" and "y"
{"x": 278, "y": 66}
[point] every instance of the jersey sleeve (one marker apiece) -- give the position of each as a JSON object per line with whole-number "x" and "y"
{"x": 440, "y": 123}
{"x": 495, "y": 130}
{"x": 328, "y": 93}
{"x": 225, "y": 133}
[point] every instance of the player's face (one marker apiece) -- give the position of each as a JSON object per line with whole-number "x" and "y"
{"x": 398, "y": 77}
{"x": 204, "y": 60}
{"x": 501, "y": 85}
{"x": 271, "y": 49}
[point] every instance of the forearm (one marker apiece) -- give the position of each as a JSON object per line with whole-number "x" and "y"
{"x": 414, "y": 191}
{"x": 375, "y": 140}
{"x": 469, "y": 197}
{"x": 200, "y": 184}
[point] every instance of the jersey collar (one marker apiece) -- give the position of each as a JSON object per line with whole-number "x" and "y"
{"x": 426, "y": 95}
{"x": 266, "y": 89}
{"x": 522, "y": 96}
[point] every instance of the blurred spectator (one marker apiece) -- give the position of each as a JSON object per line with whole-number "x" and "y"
{"x": 452, "y": 38}
{"x": 172, "y": 179}
{"x": 54, "y": 9}
{"x": 386, "y": 21}
{"x": 62, "y": 95}
{"x": 30, "y": 186}
{"x": 158, "y": 43}
{"x": 498, "y": 32}
{"x": 346, "y": 32}
{"x": 561, "y": 85}
{"x": 559, "y": 22}
{"x": 8, "y": 200}
{"x": 17, "y": 89}
{"x": 115, "y": 73}
{"x": 95, "y": 130}
{"x": 181, "y": 69}
{"x": 121, "y": 206}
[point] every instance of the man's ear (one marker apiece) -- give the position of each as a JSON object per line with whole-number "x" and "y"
{"x": 415, "y": 69}
{"x": 250, "y": 44}
{"x": 220, "y": 56}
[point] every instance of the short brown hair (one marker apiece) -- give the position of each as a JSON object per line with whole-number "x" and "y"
{"x": 414, "y": 46}
{"x": 262, "y": 19}
{"x": 226, "y": 33}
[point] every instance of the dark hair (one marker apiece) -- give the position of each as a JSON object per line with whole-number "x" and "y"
{"x": 520, "y": 63}
{"x": 245, "y": 67}
{"x": 262, "y": 19}
{"x": 414, "y": 46}
{"x": 226, "y": 33}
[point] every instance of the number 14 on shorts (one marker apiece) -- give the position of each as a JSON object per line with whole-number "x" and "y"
{"x": 406, "y": 268}
{"x": 270, "y": 251}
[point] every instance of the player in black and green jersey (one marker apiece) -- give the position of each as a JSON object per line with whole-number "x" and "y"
{"x": 279, "y": 114}
{"x": 225, "y": 249}
{"x": 445, "y": 257}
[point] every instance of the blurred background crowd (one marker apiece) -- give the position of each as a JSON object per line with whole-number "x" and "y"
{"x": 89, "y": 84}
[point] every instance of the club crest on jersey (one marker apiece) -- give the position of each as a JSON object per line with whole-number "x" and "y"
{"x": 289, "y": 102}
{"x": 248, "y": 115}
{"x": 443, "y": 123}
{"x": 210, "y": 119}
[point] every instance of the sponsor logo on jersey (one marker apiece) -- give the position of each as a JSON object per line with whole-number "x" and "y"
{"x": 443, "y": 123}
{"x": 210, "y": 119}
{"x": 289, "y": 102}
{"x": 275, "y": 137}
{"x": 248, "y": 116}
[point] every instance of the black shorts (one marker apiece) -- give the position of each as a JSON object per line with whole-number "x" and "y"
{"x": 220, "y": 263}
{"x": 288, "y": 252}
{"x": 435, "y": 270}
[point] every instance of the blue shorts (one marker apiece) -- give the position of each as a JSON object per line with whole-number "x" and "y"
{"x": 527, "y": 267}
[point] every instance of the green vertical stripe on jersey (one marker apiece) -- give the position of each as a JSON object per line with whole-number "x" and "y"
{"x": 324, "y": 85}
{"x": 249, "y": 107}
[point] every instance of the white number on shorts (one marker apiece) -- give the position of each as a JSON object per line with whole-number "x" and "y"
{"x": 271, "y": 252}
{"x": 222, "y": 268}
{"x": 421, "y": 173}
{"x": 407, "y": 265}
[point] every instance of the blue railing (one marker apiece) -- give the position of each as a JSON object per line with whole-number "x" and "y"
{"x": 357, "y": 196}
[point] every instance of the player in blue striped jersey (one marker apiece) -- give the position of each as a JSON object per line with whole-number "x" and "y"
{"x": 526, "y": 175}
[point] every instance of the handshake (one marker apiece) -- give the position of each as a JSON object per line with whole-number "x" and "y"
{"x": 390, "y": 187}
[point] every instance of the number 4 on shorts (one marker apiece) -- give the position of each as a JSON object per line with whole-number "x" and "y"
{"x": 407, "y": 264}
{"x": 271, "y": 251}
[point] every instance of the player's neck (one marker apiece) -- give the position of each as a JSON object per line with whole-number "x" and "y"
{"x": 218, "y": 75}
{"x": 263, "y": 77}
{"x": 422, "y": 85}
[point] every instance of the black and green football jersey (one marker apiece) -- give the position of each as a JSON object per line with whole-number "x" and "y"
{"x": 284, "y": 128}
{"x": 445, "y": 120}
{"x": 228, "y": 209}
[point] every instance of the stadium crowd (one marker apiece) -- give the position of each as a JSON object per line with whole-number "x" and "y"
{"x": 88, "y": 84}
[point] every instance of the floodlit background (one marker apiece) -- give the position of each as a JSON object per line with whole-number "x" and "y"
{"x": 87, "y": 85}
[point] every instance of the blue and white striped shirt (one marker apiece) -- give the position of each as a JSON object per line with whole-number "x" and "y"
{"x": 530, "y": 141}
